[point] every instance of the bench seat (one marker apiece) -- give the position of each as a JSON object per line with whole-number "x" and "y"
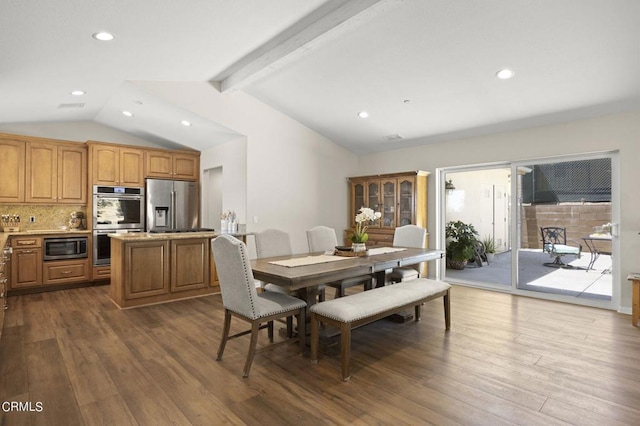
{"x": 352, "y": 311}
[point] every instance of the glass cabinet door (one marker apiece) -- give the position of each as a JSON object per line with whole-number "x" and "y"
{"x": 389, "y": 204}
{"x": 373, "y": 198}
{"x": 406, "y": 201}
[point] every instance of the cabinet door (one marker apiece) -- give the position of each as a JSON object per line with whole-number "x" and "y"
{"x": 72, "y": 175}
{"x": 189, "y": 264}
{"x": 406, "y": 201}
{"x": 146, "y": 269}
{"x": 358, "y": 199}
{"x": 389, "y": 204}
{"x": 106, "y": 165}
{"x": 42, "y": 172}
{"x": 12, "y": 160}
{"x": 158, "y": 164}
{"x": 374, "y": 198}
{"x": 186, "y": 166}
{"x": 26, "y": 267}
{"x": 131, "y": 167}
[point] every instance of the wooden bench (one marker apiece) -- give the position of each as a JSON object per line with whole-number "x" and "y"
{"x": 359, "y": 309}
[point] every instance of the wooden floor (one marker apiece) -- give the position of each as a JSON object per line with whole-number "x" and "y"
{"x": 506, "y": 360}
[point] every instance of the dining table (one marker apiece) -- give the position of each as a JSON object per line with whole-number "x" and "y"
{"x": 306, "y": 272}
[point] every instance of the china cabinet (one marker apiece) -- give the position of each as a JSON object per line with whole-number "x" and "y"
{"x": 401, "y": 198}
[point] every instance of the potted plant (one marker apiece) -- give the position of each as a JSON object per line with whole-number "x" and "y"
{"x": 359, "y": 236}
{"x": 489, "y": 247}
{"x": 461, "y": 238}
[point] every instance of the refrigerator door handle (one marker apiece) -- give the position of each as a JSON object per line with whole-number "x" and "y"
{"x": 173, "y": 210}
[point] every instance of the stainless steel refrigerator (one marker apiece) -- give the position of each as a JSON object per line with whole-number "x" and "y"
{"x": 171, "y": 204}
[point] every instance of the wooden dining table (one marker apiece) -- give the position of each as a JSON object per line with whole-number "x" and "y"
{"x": 307, "y": 278}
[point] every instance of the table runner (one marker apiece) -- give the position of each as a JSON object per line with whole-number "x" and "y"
{"x": 383, "y": 250}
{"x": 309, "y": 260}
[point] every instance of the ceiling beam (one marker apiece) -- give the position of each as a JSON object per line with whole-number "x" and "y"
{"x": 309, "y": 33}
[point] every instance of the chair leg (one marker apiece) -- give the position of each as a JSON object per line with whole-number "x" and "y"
{"x": 255, "y": 328}
{"x": 302, "y": 330}
{"x": 339, "y": 292}
{"x": 345, "y": 349}
{"x": 322, "y": 295}
{"x": 289, "y": 327}
{"x": 225, "y": 333}
{"x": 270, "y": 330}
{"x": 447, "y": 310}
{"x": 315, "y": 337}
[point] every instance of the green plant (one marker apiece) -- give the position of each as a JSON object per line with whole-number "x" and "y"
{"x": 461, "y": 238}
{"x": 489, "y": 244}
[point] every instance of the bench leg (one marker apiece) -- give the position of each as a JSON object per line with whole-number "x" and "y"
{"x": 447, "y": 310}
{"x": 345, "y": 349}
{"x": 418, "y": 309}
{"x": 315, "y": 337}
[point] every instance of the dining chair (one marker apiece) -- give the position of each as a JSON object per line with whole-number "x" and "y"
{"x": 323, "y": 238}
{"x": 412, "y": 236}
{"x": 241, "y": 300}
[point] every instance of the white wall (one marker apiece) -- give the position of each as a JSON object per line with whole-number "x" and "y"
{"x": 296, "y": 178}
{"x": 616, "y": 132}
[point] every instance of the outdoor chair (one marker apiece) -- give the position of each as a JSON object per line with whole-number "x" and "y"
{"x": 554, "y": 242}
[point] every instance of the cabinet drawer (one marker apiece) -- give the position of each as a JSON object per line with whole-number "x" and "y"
{"x": 26, "y": 242}
{"x": 66, "y": 271}
{"x": 101, "y": 273}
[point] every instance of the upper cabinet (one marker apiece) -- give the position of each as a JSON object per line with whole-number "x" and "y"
{"x": 56, "y": 173}
{"x": 172, "y": 165}
{"x": 12, "y": 154}
{"x": 44, "y": 171}
{"x": 401, "y": 198}
{"x": 116, "y": 165}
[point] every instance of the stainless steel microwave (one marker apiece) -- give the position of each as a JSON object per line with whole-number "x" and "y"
{"x": 65, "y": 248}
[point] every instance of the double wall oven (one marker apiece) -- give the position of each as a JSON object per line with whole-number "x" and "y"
{"x": 116, "y": 209}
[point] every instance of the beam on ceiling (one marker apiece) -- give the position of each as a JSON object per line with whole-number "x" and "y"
{"x": 307, "y": 35}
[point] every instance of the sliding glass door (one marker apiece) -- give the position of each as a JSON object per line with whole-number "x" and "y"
{"x": 544, "y": 227}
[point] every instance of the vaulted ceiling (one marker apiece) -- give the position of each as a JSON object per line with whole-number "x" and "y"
{"x": 424, "y": 70}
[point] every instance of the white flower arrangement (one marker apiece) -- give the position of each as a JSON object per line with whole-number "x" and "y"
{"x": 364, "y": 218}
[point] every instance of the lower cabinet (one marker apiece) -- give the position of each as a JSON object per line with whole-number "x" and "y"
{"x": 65, "y": 271}
{"x": 147, "y": 272}
{"x": 26, "y": 262}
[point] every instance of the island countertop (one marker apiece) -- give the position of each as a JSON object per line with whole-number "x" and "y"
{"x": 151, "y": 236}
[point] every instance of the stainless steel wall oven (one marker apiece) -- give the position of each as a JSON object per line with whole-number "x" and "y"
{"x": 116, "y": 209}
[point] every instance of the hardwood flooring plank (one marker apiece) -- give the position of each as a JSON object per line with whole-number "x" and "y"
{"x": 506, "y": 360}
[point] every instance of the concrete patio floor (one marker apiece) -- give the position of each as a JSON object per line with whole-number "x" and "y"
{"x": 533, "y": 275}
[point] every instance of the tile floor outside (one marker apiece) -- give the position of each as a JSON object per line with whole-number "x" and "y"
{"x": 595, "y": 283}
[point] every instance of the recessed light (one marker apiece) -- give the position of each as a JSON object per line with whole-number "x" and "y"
{"x": 78, "y": 92}
{"x": 185, "y": 123}
{"x": 363, "y": 114}
{"x": 127, "y": 113}
{"x": 505, "y": 74}
{"x": 103, "y": 36}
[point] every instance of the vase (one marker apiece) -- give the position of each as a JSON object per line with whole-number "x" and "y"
{"x": 358, "y": 247}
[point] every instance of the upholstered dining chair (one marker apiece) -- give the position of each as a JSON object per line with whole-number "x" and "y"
{"x": 407, "y": 236}
{"x": 240, "y": 298}
{"x": 323, "y": 238}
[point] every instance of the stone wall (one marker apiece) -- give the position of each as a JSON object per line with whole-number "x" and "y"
{"x": 579, "y": 219}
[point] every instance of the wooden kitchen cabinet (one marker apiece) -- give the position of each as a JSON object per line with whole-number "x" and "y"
{"x": 26, "y": 262}
{"x": 400, "y": 197}
{"x": 189, "y": 264}
{"x": 12, "y": 159}
{"x": 56, "y": 173}
{"x": 65, "y": 271}
{"x": 172, "y": 165}
{"x": 160, "y": 269}
{"x": 116, "y": 165}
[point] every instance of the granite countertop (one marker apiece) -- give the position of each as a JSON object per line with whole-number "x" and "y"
{"x": 148, "y": 236}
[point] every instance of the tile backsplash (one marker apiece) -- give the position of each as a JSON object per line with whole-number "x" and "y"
{"x": 47, "y": 217}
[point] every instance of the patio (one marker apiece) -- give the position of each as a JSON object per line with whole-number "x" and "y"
{"x": 593, "y": 284}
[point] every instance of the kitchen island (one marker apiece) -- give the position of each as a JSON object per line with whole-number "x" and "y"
{"x": 148, "y": 268}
